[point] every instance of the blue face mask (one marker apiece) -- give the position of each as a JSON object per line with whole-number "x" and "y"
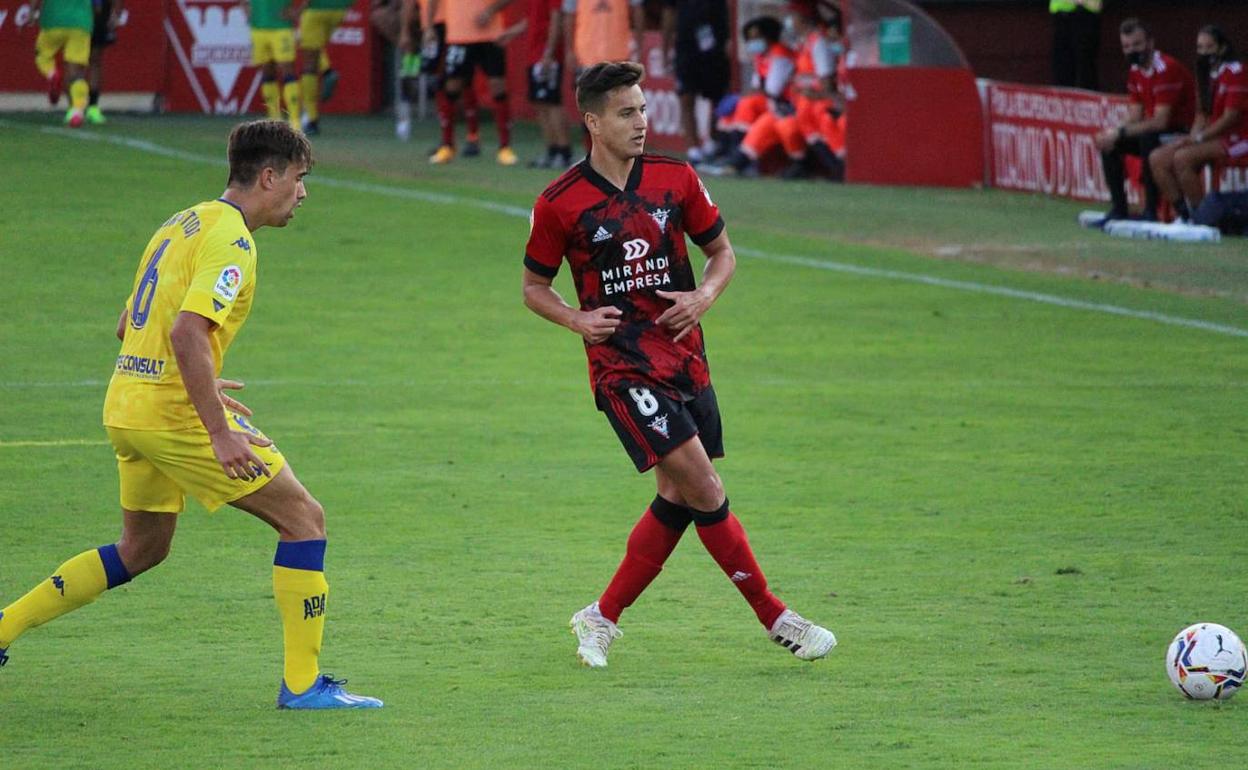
{"x": 756, "y": 46}
{"x": 836, "y": 48}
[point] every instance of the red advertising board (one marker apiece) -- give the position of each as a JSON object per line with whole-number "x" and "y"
{"x": 209, "y": 60}
{"x": 134, "y": 63}
{"x": 1041, "y": 139}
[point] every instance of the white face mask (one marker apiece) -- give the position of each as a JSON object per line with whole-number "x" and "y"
{"x": 756, "y": 46}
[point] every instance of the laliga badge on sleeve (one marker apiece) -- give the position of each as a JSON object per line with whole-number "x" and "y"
{"x": 228, "y": 282}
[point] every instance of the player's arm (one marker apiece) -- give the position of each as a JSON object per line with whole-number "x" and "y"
{"x": 295, "y": 9}
{"x": 121, "y": 324}
{"x": 593, "y": 325}
{"x": 512, "y": 32}
{"x": 1227, "y": 119}
{"x": 554, "y": 37}
{"x": 407, "y": 12}
{"x": 688, "y": 307}
{"x": 569, "y": 34}
{"x": 638, "y": 13}
{"x": 1158, "y": 122}
{"x": 483, "y": 18}
{"x": 193, "y": 352}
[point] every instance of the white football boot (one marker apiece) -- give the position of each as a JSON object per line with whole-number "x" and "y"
{"x": 594, "y": 635}
{"x": 801, "y": 637}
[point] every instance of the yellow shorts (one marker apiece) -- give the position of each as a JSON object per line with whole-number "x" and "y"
{"x": 315, "y": 27}
{"x": 272, "y": 45}
{"x": 159, "y": 467}
{"x": 76, "y": 42}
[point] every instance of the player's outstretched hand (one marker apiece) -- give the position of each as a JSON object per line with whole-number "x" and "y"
{"x": 687, "y": 309}
{"x": 230, "y": 403}
{"x": 233, "y": 451}
{"x": 596, "y": 325}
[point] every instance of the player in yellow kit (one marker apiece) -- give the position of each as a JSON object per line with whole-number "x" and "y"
{"x": 317, "y": 21}
{"x": 273, "y": 51}
{"x": 174, "y": 430}
{"x": 65, "y": 27}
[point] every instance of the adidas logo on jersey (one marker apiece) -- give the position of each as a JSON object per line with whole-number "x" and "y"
{"x": 602, "y": 235}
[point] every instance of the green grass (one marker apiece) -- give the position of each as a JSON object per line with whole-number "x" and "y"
{"x": 914, "y": 464}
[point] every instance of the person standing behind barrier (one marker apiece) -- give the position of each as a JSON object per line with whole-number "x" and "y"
{"x": 1162, "y": 93}
{"x": 1076, "y": 42}
{"x": 104, "y": 34}
{"x": 473, "y": 29}
{"x": 1220, "y": 133}
{"x": 600, "y": 30}
{"x": 695, "y": 43}
{"x": 546, "y": 46}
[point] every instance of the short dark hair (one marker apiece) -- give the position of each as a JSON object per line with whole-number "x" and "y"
{"x": 596, "y": 82}
{"x": 769, "y": 28}
{"x": 260, "y": 143}
{"x": 1131, "y": 25}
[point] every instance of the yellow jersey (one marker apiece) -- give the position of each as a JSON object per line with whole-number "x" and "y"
{"x": 202, "y": 260}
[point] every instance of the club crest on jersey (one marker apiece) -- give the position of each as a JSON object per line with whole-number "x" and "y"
{"x": 228, "y": 282}
{"x": 660, "y": 217}
{"x": 659, "y": 425}
{"x": 603, "y": 234}
{"x": 636, "y": 249}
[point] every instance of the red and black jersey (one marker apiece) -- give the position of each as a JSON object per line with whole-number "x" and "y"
{"x": 622, "y": 247}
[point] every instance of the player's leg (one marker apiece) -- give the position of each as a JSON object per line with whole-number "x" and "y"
{"x": 310, "y": 90}
{"x": 1116, "y": 177}
{"x": 95, "y": 70}
{"x": 494, "y": 64}
{"x": 1145, "y": 146}
{"x": 1161, "y": 161}
{"x": 47, "y": 45}
{"x": 284, "y": 56}
{"x": 262, "y": 57}
{"x": 1190, "y": 163}
{"x": 150, "y": 503}
{"x": 456, "y": 72}
{"x": 300, "y": 589}
{"x": 77, "y": 54}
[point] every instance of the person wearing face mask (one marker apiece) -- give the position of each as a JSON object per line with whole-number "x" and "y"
{"x": 1162, "y": 93}
{"x": 774, "y": 65}
{"x": 1220, "y": 132}
{"x": 814, "y": 136}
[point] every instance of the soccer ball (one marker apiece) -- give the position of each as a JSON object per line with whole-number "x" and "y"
{"x": 1207, "y": 661}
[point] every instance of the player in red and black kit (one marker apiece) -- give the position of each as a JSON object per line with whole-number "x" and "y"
{"x": 620, "y": 218}
{"x": 1162, "y": 93}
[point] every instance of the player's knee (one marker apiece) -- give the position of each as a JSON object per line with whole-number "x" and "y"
{"x": 311, "y": 520}
{"x": 704, "y": 493}
{"x": 139, "y": 554}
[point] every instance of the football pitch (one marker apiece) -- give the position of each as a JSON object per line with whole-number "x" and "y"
{"x": 1001, "y": 457}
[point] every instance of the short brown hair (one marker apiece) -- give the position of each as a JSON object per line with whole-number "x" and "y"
{"x": 261, "y": 143}
{"x": 1131, "y": 25}
{"x": 596, "y": 82}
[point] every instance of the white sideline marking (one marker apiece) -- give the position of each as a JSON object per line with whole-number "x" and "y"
{"x": 818, "y": 264}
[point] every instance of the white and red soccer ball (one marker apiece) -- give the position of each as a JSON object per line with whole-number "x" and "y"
{"x": 1207, "y": 661}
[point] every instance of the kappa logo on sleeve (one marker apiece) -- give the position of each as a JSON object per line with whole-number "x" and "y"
{"x": 228, "y": 283}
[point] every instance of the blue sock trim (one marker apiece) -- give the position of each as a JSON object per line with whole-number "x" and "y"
{"x": 301, "y": 554}
{"x": 114, "y": 570}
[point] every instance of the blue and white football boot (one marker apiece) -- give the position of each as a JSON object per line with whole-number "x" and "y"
{"x": 4, "y": 651}
{"x": 325, "y": 693}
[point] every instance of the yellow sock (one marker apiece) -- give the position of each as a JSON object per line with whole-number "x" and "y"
{"x": 79, "y": 91}
{"x": 301, "y": 596}
{"x": 272, "y": 96}
{"x": 75, "y": 583}
{"x": 322, "y": 63}
{"x": 290, "y": 94}
{"x": 310, "y": 85}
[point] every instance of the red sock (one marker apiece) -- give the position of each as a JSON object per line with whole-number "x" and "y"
{"x": 649, "y": 545}
{"x": 725, "y": 540}
{"x": 446, "y": 117}
{"x": 502, "y": 119}
{"x": 471, "y": 117}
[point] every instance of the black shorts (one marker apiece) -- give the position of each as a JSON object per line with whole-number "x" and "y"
{"x": 101, "y": 34}
{"x": 462, "y": 61}
{"x": 432, "y": 54}
{"x": 703, "y": 74}
{"x": 650, "y": 425}
{"x": 546, "y": 87}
